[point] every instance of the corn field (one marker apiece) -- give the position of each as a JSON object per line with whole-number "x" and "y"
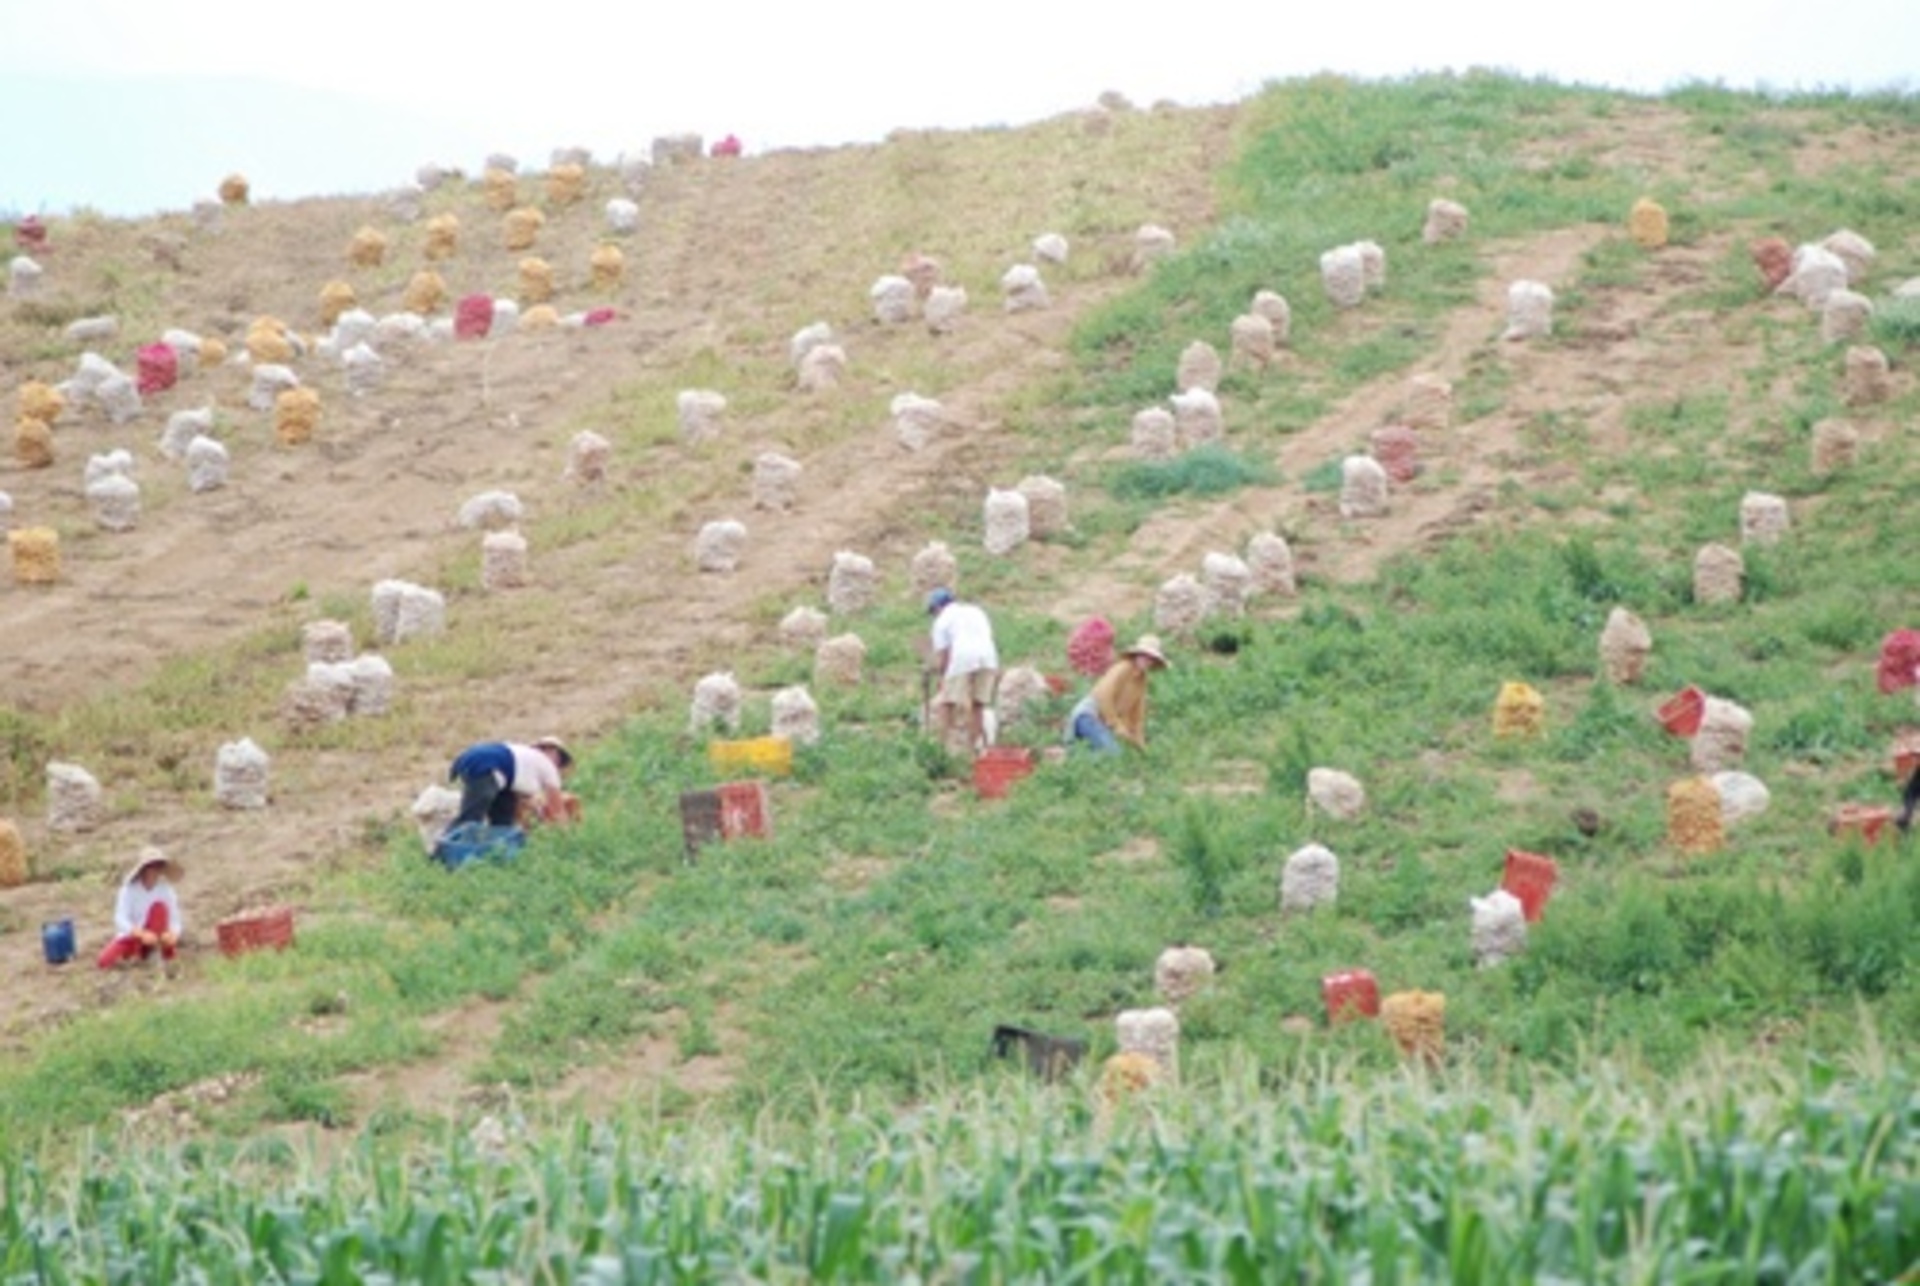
{"x": 1410, "y": 1180}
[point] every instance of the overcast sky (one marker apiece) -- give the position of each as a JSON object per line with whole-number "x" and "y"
{"x": 127, "y": 107}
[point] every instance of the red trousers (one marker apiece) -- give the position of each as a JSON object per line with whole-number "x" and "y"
{"x": 130, "y": 947}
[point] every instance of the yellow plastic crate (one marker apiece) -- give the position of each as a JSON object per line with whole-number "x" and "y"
{"x": 755, "y": 754}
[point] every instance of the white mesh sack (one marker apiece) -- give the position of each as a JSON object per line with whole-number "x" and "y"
{"x": 1363, "y": 487}
{"x": 75, "y": 801}
{"x": 587, "y": 456}
{"x": 1446, "y": 220}
{"x": 1022, "y": 290}
{"x": 433, "y": 810}
{"x": 363, "y": 369}
{"x": 119, "y": 397}
{"x": 240, "y": 771}
{"x": 850, "y": 583}
{"x": 1337, "y": 794}
{"x": 1817, "y": 273}
{"x": 1155, "y": 435}
{"x": 1021, "y": 689}
{"x": 894, "y": 300}
{"x": 916, "y": 419}
{"x": 1008, "y": 523}
{"x": 700, "y": 412}
{"x": 1309, "y": 878}
{"x": 622, "y": 215}
{"x": 108, "y": 464}
{"x": 933, "y": 567}
{"x": 716, "y": 704}
{"x": 182, "y": 428}
{"x": 115, "y": 502}
{"x": 1273, "y": 306}
{"x": 1152, "y": 1032}
{"x": 1196, "y": 417}
{"x": 270, "y": 380}
{"x": 1763, "y": 518}
{"x": 822, "y": 369}
{"x": 207, "y": 464}
{"x": 839, "y": 661}
{"x": 1228, "y": 581}
{"x": 491, "y": 511}
{"x": 1845, "y": 316}
{"x": 1270, "y": 560}
{"x": 776, "y": 479}
{"x": 944, "y": 307}
{"x": 1050, "y": 247}
{"x": 720, "y": 545}
{"x": 795, "y": 716}
{"x": 1180, "y": 604}
{"x": 1529, "y": 310}
{"x": 1199, "y": 367}
{"x": 327, "y": 641}
{"x": 1046, "y": 506}
{"x": 1499, "y": 927}
{"x": 1343, "y": 276}
{"x": 806, "y": 339}
{"x": 422, "y": 613}
{"x": 1181, "y": 972}
{"x": 503, "y": 561}
{"x": 805, "y": 626}
{"x": 1251, "y": 340}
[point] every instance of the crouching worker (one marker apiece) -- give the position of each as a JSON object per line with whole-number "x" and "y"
{"x": 1115, "y": 710}
{"x": 500, "y": 778}
{"x": 146, "y": 915}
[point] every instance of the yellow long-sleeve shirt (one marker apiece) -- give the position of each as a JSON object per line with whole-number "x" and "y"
{"x": 1120, "y": 699}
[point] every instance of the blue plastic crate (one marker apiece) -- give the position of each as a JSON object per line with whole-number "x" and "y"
{"x": 473, "y": 841}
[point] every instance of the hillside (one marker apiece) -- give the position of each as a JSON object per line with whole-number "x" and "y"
{"x": 161, "y": 644}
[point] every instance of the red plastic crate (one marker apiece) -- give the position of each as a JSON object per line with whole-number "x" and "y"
{"x": 1869, "y": 821}
{"x": 1680, "y": 713}
{"x": 998, "y": 767}
{"x": 1350, "y": 995}
{"x": 744, "y": 809}
{"x": 1530, "y": 877}
{"x": 254, "y": 930}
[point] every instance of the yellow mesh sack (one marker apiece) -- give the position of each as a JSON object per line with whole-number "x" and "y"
{"x": 32, "y": 443}
{"x": 213, "y": 352}
{"x": 1696, "y": 823}
{"x": 267, "y": 341}
{"x": 523, "y": 227}
{"x": 425, "y": 292}
{"x": 609, "y": 267}
{"x": 499, "y": 189}
{"x": 14, "y": 870}
{"x": 1124, "y": 1075}
{"x": 1647, "y": 224}
{"x": 40, "y": 401}
{"x": 234, "y": 189}
{"x": 296, "y": 413}
{"x": 36, "y": 555}
{"x": 368, "y": 249}
{"x": 536, "y": 281}
{"x": 336, "y": 297}
{"x": 443, "y": 236}
{"x": 1519, "y": 711}
{"x": 540, "y": 317}
{"x": 1417, "y": 1021}
{"x": 566, "y": 184}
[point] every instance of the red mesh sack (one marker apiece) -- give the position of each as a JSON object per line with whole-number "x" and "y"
{"x": 1090, "y": 647}
{"x": 1774, "y": 258}
{"x": 1899, "y": 654}
{"x": 1398, "y": 451}
{"x": 30, "y": 233}
{"x": 728, "y": 146}
{"x": 159, "y": 367}
{"x": 473, "y": 317}
{"x": 598, "y": 316}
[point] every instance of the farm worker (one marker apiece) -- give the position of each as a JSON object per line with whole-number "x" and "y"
{"x": 496, "y": 776}
{"x": 967, "y": 663}
{"x": 146, "y": 914}
{"x": 1115, "y": 709}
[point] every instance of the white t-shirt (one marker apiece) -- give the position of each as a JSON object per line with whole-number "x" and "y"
{"x": 964, "y": 633}
{"x": 533, "y": 772}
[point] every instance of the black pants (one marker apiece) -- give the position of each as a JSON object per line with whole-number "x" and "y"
{"x": 1909, "y": 798}
{"x": 483, "y": 797}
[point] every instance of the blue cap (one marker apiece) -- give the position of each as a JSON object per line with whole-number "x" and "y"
{"x": 938, "y": 599}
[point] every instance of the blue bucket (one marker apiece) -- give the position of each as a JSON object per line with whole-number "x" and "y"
{"x": 56, "y": 939}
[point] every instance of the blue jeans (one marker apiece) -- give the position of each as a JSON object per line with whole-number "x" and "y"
{"x": 1088, "y": 728}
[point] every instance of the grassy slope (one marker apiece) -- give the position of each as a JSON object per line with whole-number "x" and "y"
{"x": 869, "y": 947}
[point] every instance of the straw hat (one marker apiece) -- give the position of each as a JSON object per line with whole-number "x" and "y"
{"x": 1149, "y": 647}
{"x": 558, "y": 747}
{"x": 153, "y": 856}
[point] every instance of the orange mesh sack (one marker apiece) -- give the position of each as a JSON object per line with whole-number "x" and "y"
{"x": 500, "y": 188}
{"x": 32, "y": 443}
{"x": 36, "y": 555}
{"x": 523, "y": 227}
{"x": 1417, "y": 1021}
{"x": 296, "y": 413}
{"x": 536, "y": 281}
{"x": 1695, "y": 821}
{"x": 14, "y": 870}
{"x": 41, "y": 402}
{"x": 609, "y": 267}
{"x": 336, "y": 297}
{"x": 1519, "y": 711}
{"x": 443, "y": 236}
{"x": 234, "y": 190}
{"x": 368, "y": 249}
{"x": 1647, "y": 224}
{"x": 425, "y": 293}
{"x": 566, "y": 184}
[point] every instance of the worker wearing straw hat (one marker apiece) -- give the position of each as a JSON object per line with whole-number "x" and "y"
{"x": 146, "y": 915}
{"x": 496, "y": 777}
{"x": 1115, "y": 710}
